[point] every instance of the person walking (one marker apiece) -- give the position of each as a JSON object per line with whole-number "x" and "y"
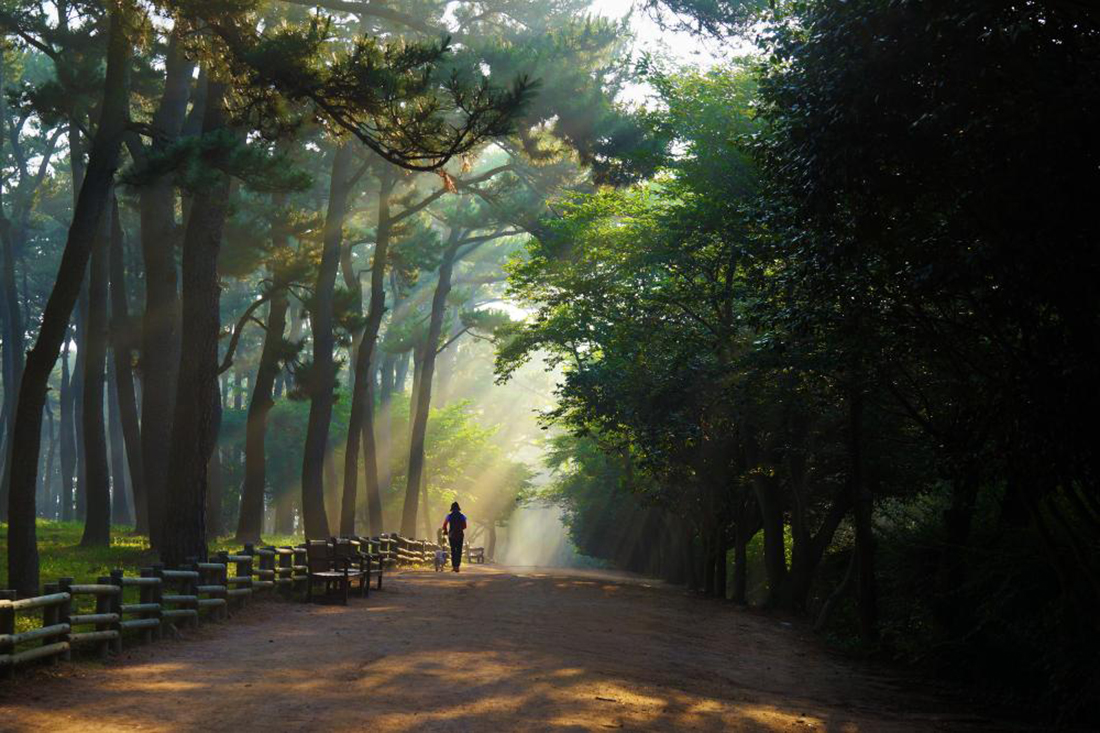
{"x": 455, "y": 527}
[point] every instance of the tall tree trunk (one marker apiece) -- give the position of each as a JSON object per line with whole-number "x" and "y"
{"x": 12, "y": 323}
{"x": 721, "y": 559}
{"x": 775, "y": 556}
{"x": 51, "y": 452}
{"x": 361, "y": 420}
{"x": 427, "y": 511}
{"x": 160, "y": 321}
{"x": 120, "y": 501}
{"x": 284, "y": 513}
{"x": 322, "y": 378}
{"x": 90, "y": 206}
{"x": 424, "y": 392}
{"x": 401, "y": 371}
{"x": 238, "y": 389}
{"x": 448, "y": 360}
{"x": 198, "y": 407}
{"x": 384, "y": 432}
{"x": 216, "y": 487}
{"x": 40, "y": 500}
{"x": 332, "y": 490}
{"x": 294, "y": 336}
{"x": 97, "y": 475}
{"x": 76, "y": 377}
{"x": 80, "y": 368}
{"x": 862, "y": 502}
{"x": 67, "y": 436}
{"x": 747, "y": 524}
{"x": 251, "y": 518}
{"x": 122, "y": 339}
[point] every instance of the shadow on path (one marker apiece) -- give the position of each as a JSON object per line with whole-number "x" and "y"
{"x": 485, "y": 650}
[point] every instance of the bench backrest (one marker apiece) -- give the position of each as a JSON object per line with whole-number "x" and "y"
{"x": 318, "y": 556}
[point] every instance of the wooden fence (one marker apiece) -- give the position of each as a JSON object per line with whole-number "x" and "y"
{"x": 120, "y": 608}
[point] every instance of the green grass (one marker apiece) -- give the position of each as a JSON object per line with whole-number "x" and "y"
{"x": 61, "y": 556}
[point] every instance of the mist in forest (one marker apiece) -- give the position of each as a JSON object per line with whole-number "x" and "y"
{"x": 536, "y": 536}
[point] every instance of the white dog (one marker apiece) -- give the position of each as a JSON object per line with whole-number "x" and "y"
{"x": 440, "y": 560}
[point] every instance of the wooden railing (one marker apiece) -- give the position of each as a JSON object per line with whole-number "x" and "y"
{"x": 121, "y": 608}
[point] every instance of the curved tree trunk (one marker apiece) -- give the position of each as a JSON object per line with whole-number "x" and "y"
{"x": 216, "y": 490}
{"x": 90, "y": 206}
{"x": 322, "y": 378}
{"x": 284, "y": 513}
{"x": 12, "y": 324}
{"x": 120, "y": 500}
{"x": 80, "y": 368}
{"x": 198, "y": 407}
{"x": 361, "y": 420}
{"x": 160, "y": 321}
{"x": 424, "y": 391}
{"x": 51, "y": 452}
{"x": 251, "y": 518}
{"x": 67, "y": 437}
{"x": 97, "y": 475}
{"x": 122, "y": 340}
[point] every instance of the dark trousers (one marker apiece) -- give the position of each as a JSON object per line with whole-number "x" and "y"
{"x": 456, "y": 550}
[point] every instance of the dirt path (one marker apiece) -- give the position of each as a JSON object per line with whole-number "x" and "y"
{"x": 491, "y": 649}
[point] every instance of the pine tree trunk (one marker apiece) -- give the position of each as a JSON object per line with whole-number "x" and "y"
{"x": 97, "y": 475}
{"x": 215, "y": 527}
{"x": 67, "y": 437}
{"x": 90, "y": 207}
{"x": 284, "y": 513}
{"x": 322, "y": 378}
{"x": 423, "y": 393}
{"x": 12, "y": 323}
{"x": 53, "y": 511}
{"x": 122, "y": 339}
{"x": 720, "y": 564}
{"x": 238, "y": 389}
{"x": 198, "y": 407}
{"x": 361, "y": 420}
{"x": 251, "y": 517}
{"x": 80, "y": 368}
{"x": 120, "y": 504}
{"x": 862, "y": 502}
{"x": 160, "y": 335}
{"x": 383, "y": 430}
{"x": 332, "y": 490}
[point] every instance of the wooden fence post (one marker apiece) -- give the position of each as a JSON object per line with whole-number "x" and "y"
{"x": 102, "y": 606}
{"x": 150, "y": 595}
{"x": 51, "y": 615}
{"x": 7, "y": 629}
{"x": 65, "y": 612}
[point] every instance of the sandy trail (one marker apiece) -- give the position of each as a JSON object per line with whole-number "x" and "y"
{"x": 490, "y": 649}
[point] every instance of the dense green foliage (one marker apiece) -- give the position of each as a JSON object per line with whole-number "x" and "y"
{"x": 855, "y": 312}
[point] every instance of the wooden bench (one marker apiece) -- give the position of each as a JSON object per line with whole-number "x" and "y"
{"x": 475, "y": 555}
{"x": 373, "y": 551}
{"x": 349, "y": 552}
{"x": 322, "y": 566}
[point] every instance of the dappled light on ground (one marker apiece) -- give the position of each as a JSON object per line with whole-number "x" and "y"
{"x": 489, "y": 649}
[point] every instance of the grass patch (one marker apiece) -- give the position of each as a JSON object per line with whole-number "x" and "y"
{"x": 61, "y": 556}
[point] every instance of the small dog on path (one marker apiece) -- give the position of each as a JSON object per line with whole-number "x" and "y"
{"x": 440, "y": 560}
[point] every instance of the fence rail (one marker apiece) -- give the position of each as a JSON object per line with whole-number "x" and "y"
{"x": 163, "y": 598}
